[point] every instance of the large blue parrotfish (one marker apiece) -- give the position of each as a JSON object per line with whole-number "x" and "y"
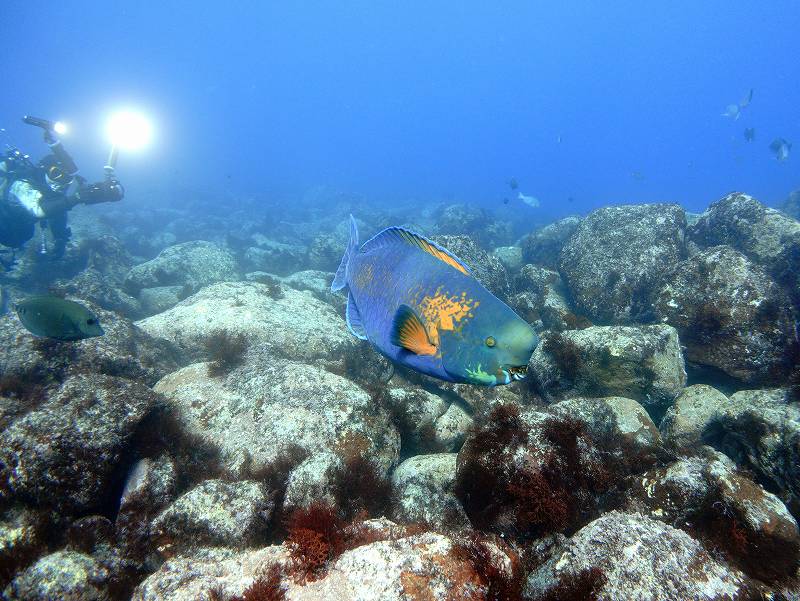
{"x": 419, "y": 305}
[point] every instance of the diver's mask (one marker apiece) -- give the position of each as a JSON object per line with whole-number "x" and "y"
{"x": 57, "y": 178}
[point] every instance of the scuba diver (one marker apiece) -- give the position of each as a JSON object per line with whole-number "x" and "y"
{"x": 43, "y": 193}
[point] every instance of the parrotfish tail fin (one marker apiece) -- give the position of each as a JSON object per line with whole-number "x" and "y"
{"x": 340, "y": 280}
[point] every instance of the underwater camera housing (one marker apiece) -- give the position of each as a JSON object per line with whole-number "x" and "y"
{"x": 51, "y": 128}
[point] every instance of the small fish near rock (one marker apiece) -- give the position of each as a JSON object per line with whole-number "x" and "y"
{"x": 58, "y": 318}
{"x": 420, "y": 306}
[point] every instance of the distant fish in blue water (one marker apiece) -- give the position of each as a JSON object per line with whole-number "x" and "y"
{"x": 749, "y": 134}
{"x": 419, "y": 305}
{"x": 531, "y": 201}
{"x": 734, "y": 111}
{"x": 780, "y": 148}
{"x": 57, "y": 318}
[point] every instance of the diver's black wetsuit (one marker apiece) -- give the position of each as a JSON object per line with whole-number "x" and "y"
{"x": 44, "y": 193}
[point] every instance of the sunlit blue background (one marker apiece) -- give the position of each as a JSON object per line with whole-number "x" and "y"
{"x": 419, "y": 100}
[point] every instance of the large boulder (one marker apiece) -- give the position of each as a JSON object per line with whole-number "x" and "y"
{"x": 630, "y": 556}
{"x": 397, "y": 566}
{"x": 730, "y": 315}
{"x": 543, "y": 247}
{"x": 617, "y": 255}
{"x": 693, "y": 410}
{"x": 423, "y": 487}
{"x": 766, "y": 236}
{"x": 541, "y": 296}
{"x": 275, "y": 257}
{"x": 644, "y": 363}
{"x": 63, "y": 575}
{"x": 292, "y": 324}
{"x": 214, "y": 513}
{"x": 760, "y": 430}
{"x": 270, "y": 409}
{"x": 67, "y": 453}
{"x": 706, "y": 495}
{"x": 190, "y": 264}
{"x": 486, "y": 268}
{"x": 533, "y": 472}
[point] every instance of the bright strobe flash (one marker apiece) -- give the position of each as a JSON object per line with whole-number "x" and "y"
{"x": 60, "y": 128}
{"x": 129, "y": 130}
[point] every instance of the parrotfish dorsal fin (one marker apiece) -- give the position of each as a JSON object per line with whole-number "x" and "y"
{"x": 409, "y": 332}
{"x": 399, "y": 235}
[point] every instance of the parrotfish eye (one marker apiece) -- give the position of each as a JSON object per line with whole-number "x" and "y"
{"x": 490, "y": 341}
{"x": 91, "y": 321}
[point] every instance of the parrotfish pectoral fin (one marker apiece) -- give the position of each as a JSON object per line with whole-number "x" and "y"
{"x": 340, "y": 279}
{"x": 399, "y": 235}
{"x": 354, "y": 322}
{"x": 409, "y": 332}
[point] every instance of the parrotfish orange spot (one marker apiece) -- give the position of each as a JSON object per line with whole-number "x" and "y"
{"x": 444, "y": 312}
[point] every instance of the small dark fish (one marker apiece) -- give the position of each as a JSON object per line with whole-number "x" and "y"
{"x": 513, "y": 184}
{"x": 57, "y": 318}
{"x": 780, "y": 148}
{"x": 505, "y": 201}
{"x": 571, "y": 199}
{"x": 749, "y": 134}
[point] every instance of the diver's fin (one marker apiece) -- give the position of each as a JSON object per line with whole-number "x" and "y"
{"x": 354, "y": 323}
{"x": 409, "y": 332}
{"x": 399, "y": 235}
{"x": 340, "y": 279}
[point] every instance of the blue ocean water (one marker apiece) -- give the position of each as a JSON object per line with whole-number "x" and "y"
{"x": 585, "y": 104}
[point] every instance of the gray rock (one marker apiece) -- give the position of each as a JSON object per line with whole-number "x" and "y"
{"x": 214, "y": 513}
{"x": 326, "y": 251}
{"x": 423, "y": 487}
{"x": 268, "y": 406}
{"x": 191, "y": 264}
{"x": 22, "y": 535}
{"x": 509, "y": 256}
{"x": 543, "y": 247}
{"x": 541, "y": 295}
{"x": 766, "y": 236}
{"x": 419, "y": 411}
{"x": 452, "y": 427}
{"x": 159, "y": 299}
{"x": 487, "y": 268}
{"x": 635, "y": 557}
{"x": 688, "y": 490}
{"x": 63, "y": 575}
{"x": 730, "y": 315}
{"x": 624, "y": 418}
{"x": 686, "y": 420}
{"x": 275, "y": 257}
{"x": 396, "y": 567}
{"x": 475, "y": 222}
{"x": 644, "y": 364}
{"x": 534, "y": 471}
{"x": 65, "y": 453}
{"x": 616, "y": 257}
{"x": 94, "y": 286}
{"x": 124, "y": 350}
{"x": 317, "y": 283}
{"x": 760, "y": 430}
{"x": 291, "y": 324}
